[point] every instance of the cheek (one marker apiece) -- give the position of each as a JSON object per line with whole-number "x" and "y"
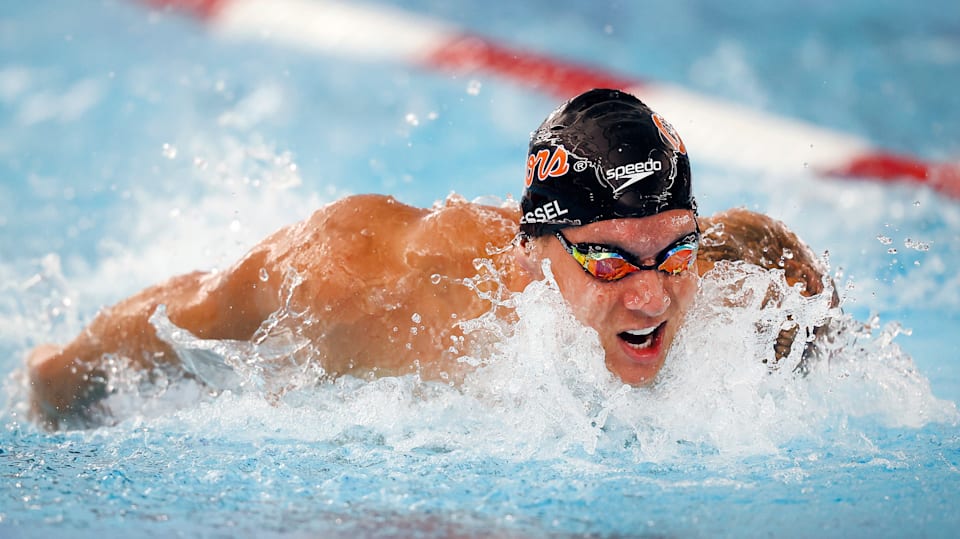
{"x": 684, "y": 291}
{"x": 587, "y": 298}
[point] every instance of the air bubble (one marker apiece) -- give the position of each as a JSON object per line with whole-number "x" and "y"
{"x": 884, "y": 239}
{"x": 169, "y": 151}
{"x": 473, "y": 87}
{"x": 264, "y": 276}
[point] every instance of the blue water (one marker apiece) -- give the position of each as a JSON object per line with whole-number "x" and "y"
{"x": 134, "y": 146}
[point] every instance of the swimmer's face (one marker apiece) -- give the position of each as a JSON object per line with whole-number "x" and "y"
{"x": 637, "y": 316}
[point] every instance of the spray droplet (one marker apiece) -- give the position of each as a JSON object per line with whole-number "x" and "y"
{"x": 892, "y": 251}
{"x": 473, "y": 87}
{"x": 922, "y": 246}
{"x": 412, "y": 119}
{"x": 169, "y": 151}
{"x": 884, "y": 239}
{"x": 264, "y": 276}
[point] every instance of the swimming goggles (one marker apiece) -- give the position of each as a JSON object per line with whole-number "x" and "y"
{"x": 610, "y": 264}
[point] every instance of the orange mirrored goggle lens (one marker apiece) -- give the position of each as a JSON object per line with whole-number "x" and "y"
{"x": 609, "y": 264}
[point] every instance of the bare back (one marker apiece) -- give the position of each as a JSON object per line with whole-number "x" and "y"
{"x": 381, "y": 284}
{"x": 384, "y": 280}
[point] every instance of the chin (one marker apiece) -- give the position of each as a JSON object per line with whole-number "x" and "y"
{"x": 633, "y": 372}
{"x": 637, "y": 377}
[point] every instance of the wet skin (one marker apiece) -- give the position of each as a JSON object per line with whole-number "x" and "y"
{"x": 367, "y": 264}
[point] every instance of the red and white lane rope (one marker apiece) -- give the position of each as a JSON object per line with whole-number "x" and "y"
{"x": 720, "y": 132}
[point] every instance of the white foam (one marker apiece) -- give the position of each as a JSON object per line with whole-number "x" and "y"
{"x": 542, "y": 390}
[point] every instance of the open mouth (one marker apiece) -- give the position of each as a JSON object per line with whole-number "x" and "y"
{"x": 641, "y": 338}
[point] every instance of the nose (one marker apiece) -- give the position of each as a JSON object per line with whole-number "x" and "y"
{"x": 645, "y": 293}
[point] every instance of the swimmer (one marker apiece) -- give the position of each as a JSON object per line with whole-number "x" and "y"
{"x": 608, "y": 201}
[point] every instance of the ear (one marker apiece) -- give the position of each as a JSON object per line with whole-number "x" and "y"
{"x": 528, "y": 258}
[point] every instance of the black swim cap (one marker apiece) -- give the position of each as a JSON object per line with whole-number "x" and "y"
{"x": 603, "y": 155}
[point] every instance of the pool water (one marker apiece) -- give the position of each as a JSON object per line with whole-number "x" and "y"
{"x": 135, "y": 145}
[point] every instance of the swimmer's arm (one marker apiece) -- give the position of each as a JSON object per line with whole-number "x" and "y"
{"x": 66, "y": 380}
{"x": 743, "y": 235}
{"x": 739, "y": 234}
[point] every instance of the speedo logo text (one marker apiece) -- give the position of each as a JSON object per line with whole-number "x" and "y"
{"x": 631, "y": 174}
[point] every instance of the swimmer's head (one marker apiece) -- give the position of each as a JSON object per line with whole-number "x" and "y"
{"x": 603, "y": 155}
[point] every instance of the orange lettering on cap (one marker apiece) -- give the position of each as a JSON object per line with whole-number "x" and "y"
{"x": 669, "y": 134}
{"x": 545, "y": 165}
{"x": 531, "y": 165}
{"x": 558, "y": 164}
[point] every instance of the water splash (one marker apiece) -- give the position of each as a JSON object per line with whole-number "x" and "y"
{"x": 277, "y": 358}
{"x": 539, "y": 387}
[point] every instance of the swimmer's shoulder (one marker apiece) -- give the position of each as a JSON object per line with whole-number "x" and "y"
{"x": 739, "y": 234}
{"x": 365, "y": 210}
{"x": 373, "y": 222}
{"x": 373, "y": 211}
{"x": 459, "y": 214}
{"x": 456, "y": 233}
